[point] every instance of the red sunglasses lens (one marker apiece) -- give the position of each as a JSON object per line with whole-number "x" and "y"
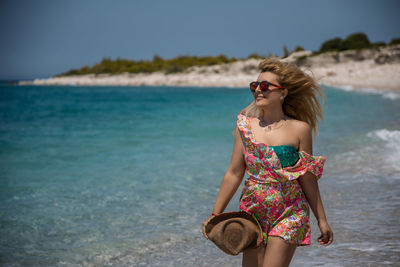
{"x": 253, "y": 86}
{"x": 264, "y": 86}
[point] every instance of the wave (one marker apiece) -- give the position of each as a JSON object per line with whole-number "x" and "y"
{"x": 391, "y": 136}
{"x": 392, "y": 95}
{"x": 379, "y": 157}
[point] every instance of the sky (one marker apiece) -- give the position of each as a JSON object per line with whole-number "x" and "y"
{"x": 42, "y": 38}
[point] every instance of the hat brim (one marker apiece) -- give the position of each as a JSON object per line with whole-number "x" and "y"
{"x": 248, "y": 221}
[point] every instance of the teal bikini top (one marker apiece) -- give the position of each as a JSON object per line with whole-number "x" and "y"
{"x": 287, "y": 154}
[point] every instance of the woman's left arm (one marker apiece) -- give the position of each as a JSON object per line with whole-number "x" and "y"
{"x": 309, "y": 185}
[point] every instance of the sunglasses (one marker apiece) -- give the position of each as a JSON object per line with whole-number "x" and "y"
{"x": 264, "y": 86}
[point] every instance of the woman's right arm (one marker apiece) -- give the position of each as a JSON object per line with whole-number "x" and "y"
{"x": 232, "y": 178}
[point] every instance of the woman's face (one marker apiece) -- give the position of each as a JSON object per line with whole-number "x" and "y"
{"x": 269, "y": 97}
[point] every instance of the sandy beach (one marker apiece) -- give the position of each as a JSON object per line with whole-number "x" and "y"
{"x": 351, "y": 70}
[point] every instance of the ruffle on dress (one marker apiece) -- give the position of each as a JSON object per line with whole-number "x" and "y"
{"x": 262, "y": 162}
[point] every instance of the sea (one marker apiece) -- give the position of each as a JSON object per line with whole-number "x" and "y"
{"x": 125, "y": 176}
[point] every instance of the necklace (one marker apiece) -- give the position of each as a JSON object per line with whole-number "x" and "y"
{"x": 272, "y": 126}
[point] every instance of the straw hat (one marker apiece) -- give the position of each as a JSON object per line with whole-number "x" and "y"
{"x": 234, "y": 231}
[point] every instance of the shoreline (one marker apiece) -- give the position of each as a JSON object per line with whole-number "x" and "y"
{"x": 356, "y": 70}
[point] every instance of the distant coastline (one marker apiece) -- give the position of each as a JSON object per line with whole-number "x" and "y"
{"x": 377, "y": 68}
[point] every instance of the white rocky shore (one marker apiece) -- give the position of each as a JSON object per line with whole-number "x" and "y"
{"x": 368, "y": 68}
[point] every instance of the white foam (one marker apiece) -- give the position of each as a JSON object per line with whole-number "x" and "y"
{"x": 391, "y": 140}
{"x": 345, "y": 87}
{"x": 367, "y": 249}
{"x": 392, "y": 95}
{"x": 379, "y": 156}
{"x": 391, "y": 136}
{"x": 385, "y": 94}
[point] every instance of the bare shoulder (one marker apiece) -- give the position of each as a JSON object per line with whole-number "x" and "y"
{"x": 304, "y": 133}
{"x": 300, "y": 126}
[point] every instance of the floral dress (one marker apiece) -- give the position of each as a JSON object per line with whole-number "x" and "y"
{"x": 272, "y": 192}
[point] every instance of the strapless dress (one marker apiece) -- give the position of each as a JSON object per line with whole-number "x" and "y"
{"x": 272, "y": 193}
{"x": 287, "y": 154}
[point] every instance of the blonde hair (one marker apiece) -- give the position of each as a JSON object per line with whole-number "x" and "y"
{"x": 301, "y": 101}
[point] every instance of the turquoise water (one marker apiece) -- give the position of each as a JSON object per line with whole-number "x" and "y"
{"x": 125, "y": 176}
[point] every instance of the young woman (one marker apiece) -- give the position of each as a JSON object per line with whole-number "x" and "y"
{"x": 273, "y": 145}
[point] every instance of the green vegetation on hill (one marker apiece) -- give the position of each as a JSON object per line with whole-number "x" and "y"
{"x": 395, "y": 41}
{"x": 355, "y": 41}
{"x": 331, "y": 45}
{"x": 173, "y": 65}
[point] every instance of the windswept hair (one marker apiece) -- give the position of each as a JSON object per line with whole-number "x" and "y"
{"x": 301, "y": 101}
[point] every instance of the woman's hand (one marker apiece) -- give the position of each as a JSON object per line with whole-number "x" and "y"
{"x": 326, "y": 237}
{"x": 204, "y": 225}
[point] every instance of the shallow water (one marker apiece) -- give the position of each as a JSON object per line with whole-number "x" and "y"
{"x": 124, "y": 176}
